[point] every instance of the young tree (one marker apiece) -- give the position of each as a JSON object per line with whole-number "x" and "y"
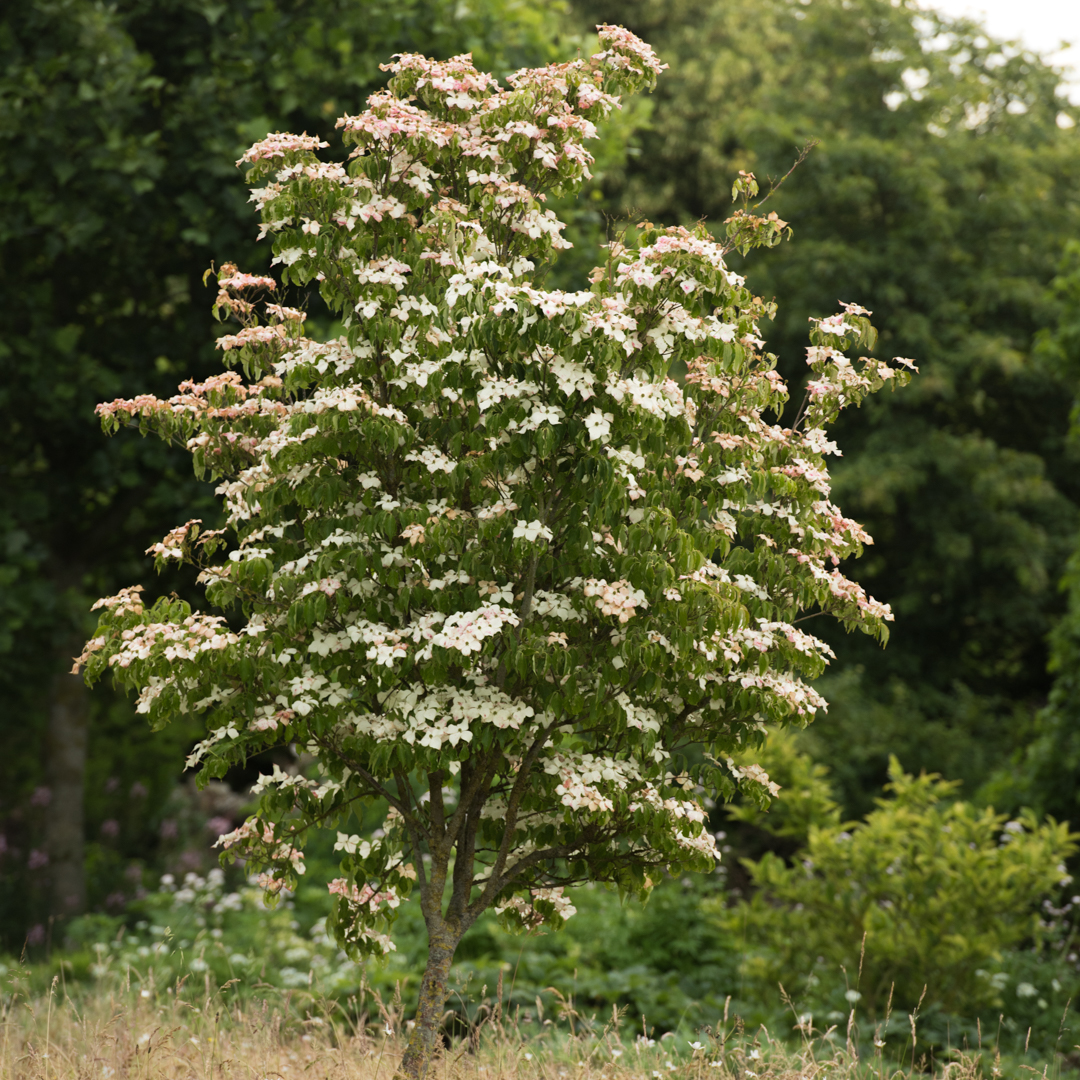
{"x": 492, "y": 567}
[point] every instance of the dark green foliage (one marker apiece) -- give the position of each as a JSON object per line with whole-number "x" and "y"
{"x": 946, "y": 214}
{"x": 119, "y": 127}
{"x": 1048, "y": 768}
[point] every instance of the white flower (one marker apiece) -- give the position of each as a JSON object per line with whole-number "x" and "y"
{"x": 599, "y": 424}
{"x": 531, "y": 530}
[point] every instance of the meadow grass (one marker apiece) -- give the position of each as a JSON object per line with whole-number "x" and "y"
{"x": 118, "y": 1030}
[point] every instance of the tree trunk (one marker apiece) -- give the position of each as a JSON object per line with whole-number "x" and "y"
{"x": 65, "y": 757}
{"x": 426, "y": 1036}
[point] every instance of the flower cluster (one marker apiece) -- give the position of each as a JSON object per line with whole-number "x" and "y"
{"x": 620, "y": 598}
{"x": 529, "y": 911}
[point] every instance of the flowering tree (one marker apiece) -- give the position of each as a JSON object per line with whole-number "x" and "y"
{"x": 490, "y": 566}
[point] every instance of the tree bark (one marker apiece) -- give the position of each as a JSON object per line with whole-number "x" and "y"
{"x": 65, "y": 756}
{"x": 426, "y": 1036}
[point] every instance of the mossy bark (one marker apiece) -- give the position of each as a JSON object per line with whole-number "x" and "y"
{"x": 425, "y": 1038}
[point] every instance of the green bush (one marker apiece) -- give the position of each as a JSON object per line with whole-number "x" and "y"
{"x": 925, "y": 892}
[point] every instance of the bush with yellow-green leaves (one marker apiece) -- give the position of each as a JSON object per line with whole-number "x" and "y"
{"x": 928, "y": 900}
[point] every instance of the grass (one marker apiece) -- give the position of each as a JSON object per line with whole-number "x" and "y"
{"x": 118, "y": 1030}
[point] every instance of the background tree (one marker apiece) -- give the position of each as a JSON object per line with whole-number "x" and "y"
{"x": 119, "y": 126}
{"x": 1047, "y": 772}
{"x": 494, "y": 569}
{"x": 940, "y": 192}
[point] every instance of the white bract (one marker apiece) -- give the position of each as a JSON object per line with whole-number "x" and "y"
{"x": 488, "y": 564}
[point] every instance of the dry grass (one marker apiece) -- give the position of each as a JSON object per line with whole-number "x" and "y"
{"x": 120, "y": 1032}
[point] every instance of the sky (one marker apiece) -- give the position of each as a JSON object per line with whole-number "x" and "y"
{"x": 1039, "y": 24}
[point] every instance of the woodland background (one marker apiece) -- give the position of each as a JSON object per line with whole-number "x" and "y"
{"x": 942, "y": 192}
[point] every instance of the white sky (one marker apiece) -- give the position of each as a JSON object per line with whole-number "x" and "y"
{"x": 1041, "y": 25}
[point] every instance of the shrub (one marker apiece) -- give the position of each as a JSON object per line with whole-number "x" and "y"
{"x": 926, "y": 893}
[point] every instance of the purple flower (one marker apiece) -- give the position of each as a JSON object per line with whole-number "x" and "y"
{"x": 138, "y": 790}
{"x": 42, "y": 796}
{"x": 218, "y": 825}
{"x": 168, "y": 829}
{"x": 37, "y": 859}
{"x": 191, "y": 859}
{"x": 110, "y": 827}
{"x": 35, "y": 935}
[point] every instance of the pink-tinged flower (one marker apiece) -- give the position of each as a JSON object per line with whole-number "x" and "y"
{"x": 270, "y": 883}
{"x": 42, "y": 796}
{"x": 278, "y": 144}
{"x": 835, "y": 326}
{"x": 110, "y": 828}
{"x": 855, "y": 309}
{"x": 286, "y": 314}
{"x": 252, "y": 335}
{"x": 364, "y": 896}
{"x": 231, "y": 278}
{"x": 125, "y": 601}
{"x": 619, "y": 598}
{"x": 623, "y": 47}
{"x": 37, "y": 859}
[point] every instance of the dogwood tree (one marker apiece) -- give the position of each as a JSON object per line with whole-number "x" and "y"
{"x": 487, "y": 565}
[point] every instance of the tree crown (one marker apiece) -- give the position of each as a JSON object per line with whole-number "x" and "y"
{"x": 492, "y": 566}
